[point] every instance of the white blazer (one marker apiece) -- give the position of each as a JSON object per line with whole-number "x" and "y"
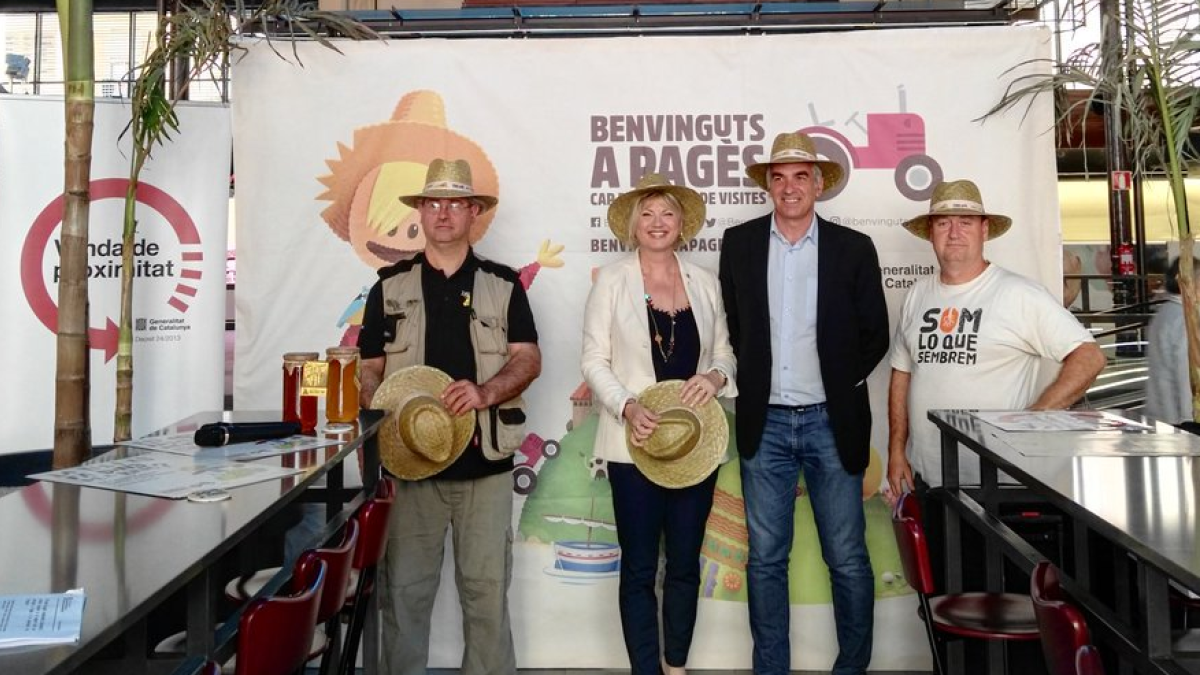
{"x": 616, "y": 343}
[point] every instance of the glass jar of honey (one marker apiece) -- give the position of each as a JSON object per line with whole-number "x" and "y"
{"x": 295, "y": 407}
{"x": 341, "y": 401}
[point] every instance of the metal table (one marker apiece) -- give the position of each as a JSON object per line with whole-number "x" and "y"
{"x": 1129, "y": 495}
{"x": 131, "y": 553}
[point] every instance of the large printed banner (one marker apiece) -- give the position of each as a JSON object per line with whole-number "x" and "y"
{"x": 556, "y": 129}
{"x": 179, "y": 284}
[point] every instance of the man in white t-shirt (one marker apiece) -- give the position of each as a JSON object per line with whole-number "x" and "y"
{"x": 971, "y": 336}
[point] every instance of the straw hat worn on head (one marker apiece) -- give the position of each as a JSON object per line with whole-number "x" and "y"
{"x": 691, "y": 201}
{"x": 688, "y": 443}
{"x": 790, "y": 148}
{"x": 419, "y": 437}
{"x": 449, "y": 179}
{"x": 958, "y": 198}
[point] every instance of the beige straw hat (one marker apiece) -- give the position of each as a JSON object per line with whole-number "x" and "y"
{"x": 653, "y": 183}
{"x": 419, "y": 437}
{"x": 449, "y": 179}
{"x": 688, "y": 443}
{"x": 957, "y": 198}
{"x": 790, "y": 148}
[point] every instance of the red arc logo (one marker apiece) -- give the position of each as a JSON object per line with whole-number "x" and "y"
{"x": 34, "y": 284}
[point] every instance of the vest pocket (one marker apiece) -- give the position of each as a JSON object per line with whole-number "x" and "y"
{"x": 508, "y": 426}
{"x": 402, "y": 332}
{"x": 492, "y": 335}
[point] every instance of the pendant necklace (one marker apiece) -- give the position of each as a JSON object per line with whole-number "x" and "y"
{"x": 658, "y": 338}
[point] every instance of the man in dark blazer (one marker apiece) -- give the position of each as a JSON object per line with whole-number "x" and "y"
{"x": 808, "y": 323}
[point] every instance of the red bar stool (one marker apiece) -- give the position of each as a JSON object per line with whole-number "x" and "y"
{"x": 983, "y": 616}
{"x": 1087, "y": 661}
{"x": 348, "y": 561}
{"x": 327, "y": 642}
{"x": 274, "y": 634}
{"x": 372, "y": 518}
{"x": 1064, "y": 630}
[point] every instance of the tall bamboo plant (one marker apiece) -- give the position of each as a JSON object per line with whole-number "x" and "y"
{"x": 204, "y": 36}
{"x": 72, "y": 421}
{"x": 1149, "y": 77}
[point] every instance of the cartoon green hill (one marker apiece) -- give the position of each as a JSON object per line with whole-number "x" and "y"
{"x": 569, "y": 493}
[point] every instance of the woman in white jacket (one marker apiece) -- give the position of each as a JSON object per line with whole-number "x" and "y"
{"x": 652, "y": 317}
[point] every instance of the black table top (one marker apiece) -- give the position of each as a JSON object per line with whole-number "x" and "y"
{"x": 130, "y": 552}
{"x": 1112, "y": 481}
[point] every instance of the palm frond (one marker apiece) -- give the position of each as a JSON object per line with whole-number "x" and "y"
{"x": 207, "y": 35}
{"x": 1150, "y": 80}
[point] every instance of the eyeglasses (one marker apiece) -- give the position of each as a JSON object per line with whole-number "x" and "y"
{"x": 454, "y": 206}
{"x": 958, "y": 223}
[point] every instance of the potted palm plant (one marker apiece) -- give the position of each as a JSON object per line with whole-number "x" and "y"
{"x": 203, "y": 36}
{"x": 1144, "y": 70}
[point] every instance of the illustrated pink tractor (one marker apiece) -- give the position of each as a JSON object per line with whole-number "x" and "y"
{"x": 894, "y": 141}
{"x": 532, "y": 450}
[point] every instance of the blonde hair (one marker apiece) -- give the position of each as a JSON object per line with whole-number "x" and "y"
{"x": 636, "y": 210}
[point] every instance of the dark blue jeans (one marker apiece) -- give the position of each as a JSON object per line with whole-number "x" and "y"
{"x": 795, "y": 441}
{"x": 646, "y": 514}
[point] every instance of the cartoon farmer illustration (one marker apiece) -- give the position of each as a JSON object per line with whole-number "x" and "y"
{"x": 387, "y": 160}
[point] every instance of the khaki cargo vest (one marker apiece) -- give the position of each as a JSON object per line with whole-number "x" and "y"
{"x": 502, "y": 426}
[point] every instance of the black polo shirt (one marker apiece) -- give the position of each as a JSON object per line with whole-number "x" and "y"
{"x": 448, "y": 313}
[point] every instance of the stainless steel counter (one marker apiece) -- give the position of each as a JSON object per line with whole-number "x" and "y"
{"x": 1128, "y": 495}
{"x": 131, "y": 553}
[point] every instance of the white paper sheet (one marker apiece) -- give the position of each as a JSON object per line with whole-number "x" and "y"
{"x": 49, "y": 619}
{"x": 165, "y": 475}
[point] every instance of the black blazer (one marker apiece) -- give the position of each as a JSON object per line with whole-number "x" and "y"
{"x": 852, "y": 330}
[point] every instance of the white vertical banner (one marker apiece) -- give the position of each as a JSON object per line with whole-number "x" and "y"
{"x": 179, "y": 284}
{"x": 556, "y": 128}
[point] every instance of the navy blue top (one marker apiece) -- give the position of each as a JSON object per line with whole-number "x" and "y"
{"x": 686, "y": 355}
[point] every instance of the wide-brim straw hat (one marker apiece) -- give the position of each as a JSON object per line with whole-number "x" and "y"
{"x": 688, "y": 444}
{"x": 958, "y": 198}
{"x": 419, "y": 437}
{"x": 449, "y": 179}
{"x": 691, "y": 201}
{"x": 792, "y": 148}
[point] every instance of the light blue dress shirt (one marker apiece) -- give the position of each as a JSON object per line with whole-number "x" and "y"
{"x": 792, "y": 293}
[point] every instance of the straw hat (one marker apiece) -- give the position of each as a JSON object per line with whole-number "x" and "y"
{"x": 958, "y": 198}
{"x": 688, "y": 443}
{"x": 449, "y": 179}
{"x": 419, "y": 437}
{"x": 790, "y": 148}
{"x": 689, "y": 199}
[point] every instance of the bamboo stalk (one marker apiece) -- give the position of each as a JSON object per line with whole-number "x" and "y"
{"x": 72, "y": 426}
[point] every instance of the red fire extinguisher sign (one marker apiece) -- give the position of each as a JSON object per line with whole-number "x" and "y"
{"x": 1126, "y": 266}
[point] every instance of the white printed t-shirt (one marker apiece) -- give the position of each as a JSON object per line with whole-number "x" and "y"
{"x": 975, "y": 345}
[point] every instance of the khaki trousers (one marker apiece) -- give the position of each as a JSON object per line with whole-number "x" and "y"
{"x": 479, "y": 515}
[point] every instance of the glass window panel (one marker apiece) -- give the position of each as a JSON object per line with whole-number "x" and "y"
{"x": 111, "y": 44}
{"x": 145, "y": 25}
{"x": 17, "y": 37}
{"x": 208, "y": 85}
{"x": 50, "y": 65}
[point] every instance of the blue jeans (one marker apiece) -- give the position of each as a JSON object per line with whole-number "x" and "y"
{"x": 795, "y": 441}
{"x": 646, "y": 514}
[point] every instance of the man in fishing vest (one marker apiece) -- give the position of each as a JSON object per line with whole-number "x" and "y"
{"x": 469, "y": 317}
